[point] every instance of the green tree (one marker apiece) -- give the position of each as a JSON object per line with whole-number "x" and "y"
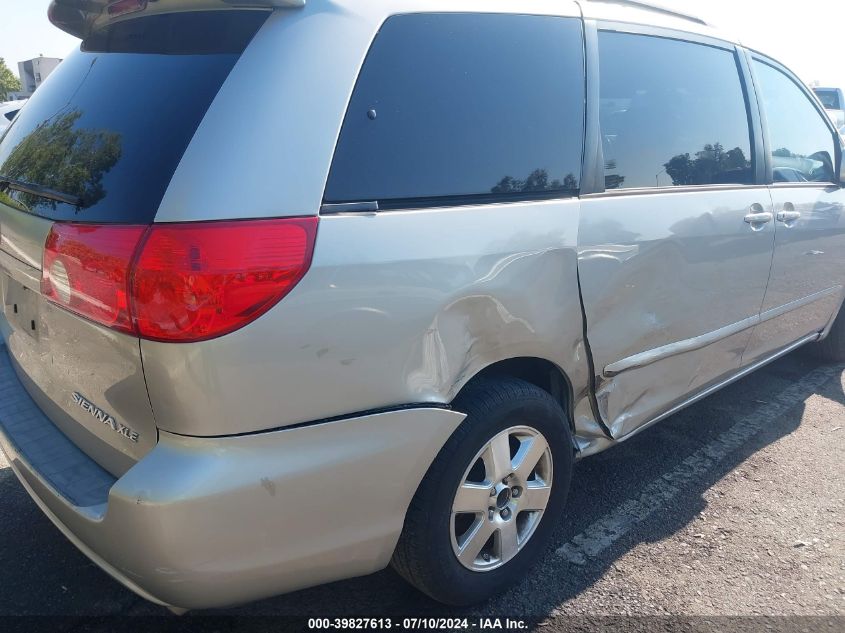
{"x": 8, "y": 81}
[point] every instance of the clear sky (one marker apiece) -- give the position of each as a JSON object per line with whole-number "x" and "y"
{"x": 807, "y": 36}
{"x": 25, "y": 32}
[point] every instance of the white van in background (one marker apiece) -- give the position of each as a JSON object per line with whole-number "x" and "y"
{"x": 834, "y": 102}
{"x": 8, "y": 110}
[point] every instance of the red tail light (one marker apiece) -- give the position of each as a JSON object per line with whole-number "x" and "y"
{"x": 86, "y": 270}
{"x": 176, "y": 282}
{"x": 197, "y": 282}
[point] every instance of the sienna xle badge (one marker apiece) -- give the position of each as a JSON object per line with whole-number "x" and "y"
{"x": 294, "y": 290}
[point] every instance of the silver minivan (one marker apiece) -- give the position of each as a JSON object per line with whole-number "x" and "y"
{"x": 293, "y": 290}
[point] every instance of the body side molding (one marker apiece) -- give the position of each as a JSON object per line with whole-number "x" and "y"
{"x": 698, "y": 342}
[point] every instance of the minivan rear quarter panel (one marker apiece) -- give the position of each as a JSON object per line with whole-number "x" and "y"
{"x": 384, "y": 319}
{"x": 399, "y": 307}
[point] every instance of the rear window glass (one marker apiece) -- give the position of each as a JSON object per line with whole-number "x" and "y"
{"x": 829, "y": 99}
{"x": 111, "y": 124}
{"x": 452, "y": 107}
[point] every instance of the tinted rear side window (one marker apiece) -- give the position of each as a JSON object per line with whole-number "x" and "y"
{"x": 673, "y": 113}
{"x": 462, "y": 106}
{"x": 112, "y": 122}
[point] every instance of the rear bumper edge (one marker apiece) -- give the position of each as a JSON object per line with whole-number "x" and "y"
{"x": 213, "y": 522}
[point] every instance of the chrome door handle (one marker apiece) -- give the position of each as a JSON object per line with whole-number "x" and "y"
{"x": 758, "y": 218}
{"x": 788, "y": 216}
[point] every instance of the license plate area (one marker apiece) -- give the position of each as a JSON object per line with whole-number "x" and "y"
{"x": 20, "y": 304}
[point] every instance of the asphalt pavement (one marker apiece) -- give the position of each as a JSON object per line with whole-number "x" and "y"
{"x": 733, "y": 507}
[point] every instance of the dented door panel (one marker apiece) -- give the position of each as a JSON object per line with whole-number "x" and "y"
{"x": 672, "y": 285}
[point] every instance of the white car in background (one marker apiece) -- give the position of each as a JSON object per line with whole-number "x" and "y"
{"x": 834, "y": 102}
{"x": 8, "y": 110}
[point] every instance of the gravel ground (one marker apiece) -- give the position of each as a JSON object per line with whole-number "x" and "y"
{"x": 733, "y": 507}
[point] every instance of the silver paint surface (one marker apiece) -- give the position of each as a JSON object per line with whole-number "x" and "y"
{"x": 808, "y": 269}
{"x": 204, "y": 523}
{"x": 671, "y": 284}
{"x": 603, "y": 443}
{"x": 400, "y": 307}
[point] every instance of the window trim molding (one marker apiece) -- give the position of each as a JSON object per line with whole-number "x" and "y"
{"x": 413, "y": 206}
{"x": 756, "y": 121}
{"x": 663, "y": 32}
{"x": 805, "y": 185}
{"x": 657, "y": 191}
{"x": 592, "y": 167}
{"x": 469, "y": 200}
{"x": 768, "y": 172}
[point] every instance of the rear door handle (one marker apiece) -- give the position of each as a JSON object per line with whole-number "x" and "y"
{"x": 759, "y": 218}
{"x": 788, "y": 216}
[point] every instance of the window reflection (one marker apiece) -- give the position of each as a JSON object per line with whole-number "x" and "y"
{"x": 672, "y": 114}
{"x": 458, "y": 106}
{"x": 111, "y": 126}
{"x": 59, "y": 155}
{"x": 803, "y": 139}
{"x": 537, "y": 180}
{"x": 787, "y": 166}
{"x": 711, "y": 165}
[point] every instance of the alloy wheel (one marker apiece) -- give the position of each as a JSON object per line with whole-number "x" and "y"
{"x": 501, "y": 498}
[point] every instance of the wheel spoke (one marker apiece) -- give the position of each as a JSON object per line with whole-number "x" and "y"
{"x": 472, "y": 498}
{"x": 508, "y": 541}
{"x": 530, "y": 453}
{"x": 536, "y": 497}
{"x": 497, "y": 458}
{"x": 475, "y": 540}
{"x": 520, "y": 483}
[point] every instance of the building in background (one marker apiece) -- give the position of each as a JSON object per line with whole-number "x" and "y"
{"x": 33, "y": 72}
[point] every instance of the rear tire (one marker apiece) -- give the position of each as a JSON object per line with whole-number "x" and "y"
{"x": 478, "y": 522}
{"x": 832, "y": 348}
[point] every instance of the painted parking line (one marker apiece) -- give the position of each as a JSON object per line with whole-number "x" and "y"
{"x": 658, "y": 493}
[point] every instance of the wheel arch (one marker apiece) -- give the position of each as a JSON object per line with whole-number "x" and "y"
{"x": 540, "y": 372}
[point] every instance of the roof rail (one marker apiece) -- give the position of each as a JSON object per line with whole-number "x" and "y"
{"x": 657, "y": 8}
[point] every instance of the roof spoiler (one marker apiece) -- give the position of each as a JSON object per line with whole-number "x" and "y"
{"x": 80, "y": 18}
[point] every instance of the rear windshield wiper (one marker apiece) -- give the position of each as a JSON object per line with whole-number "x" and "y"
{"x": 37, "y": 190}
